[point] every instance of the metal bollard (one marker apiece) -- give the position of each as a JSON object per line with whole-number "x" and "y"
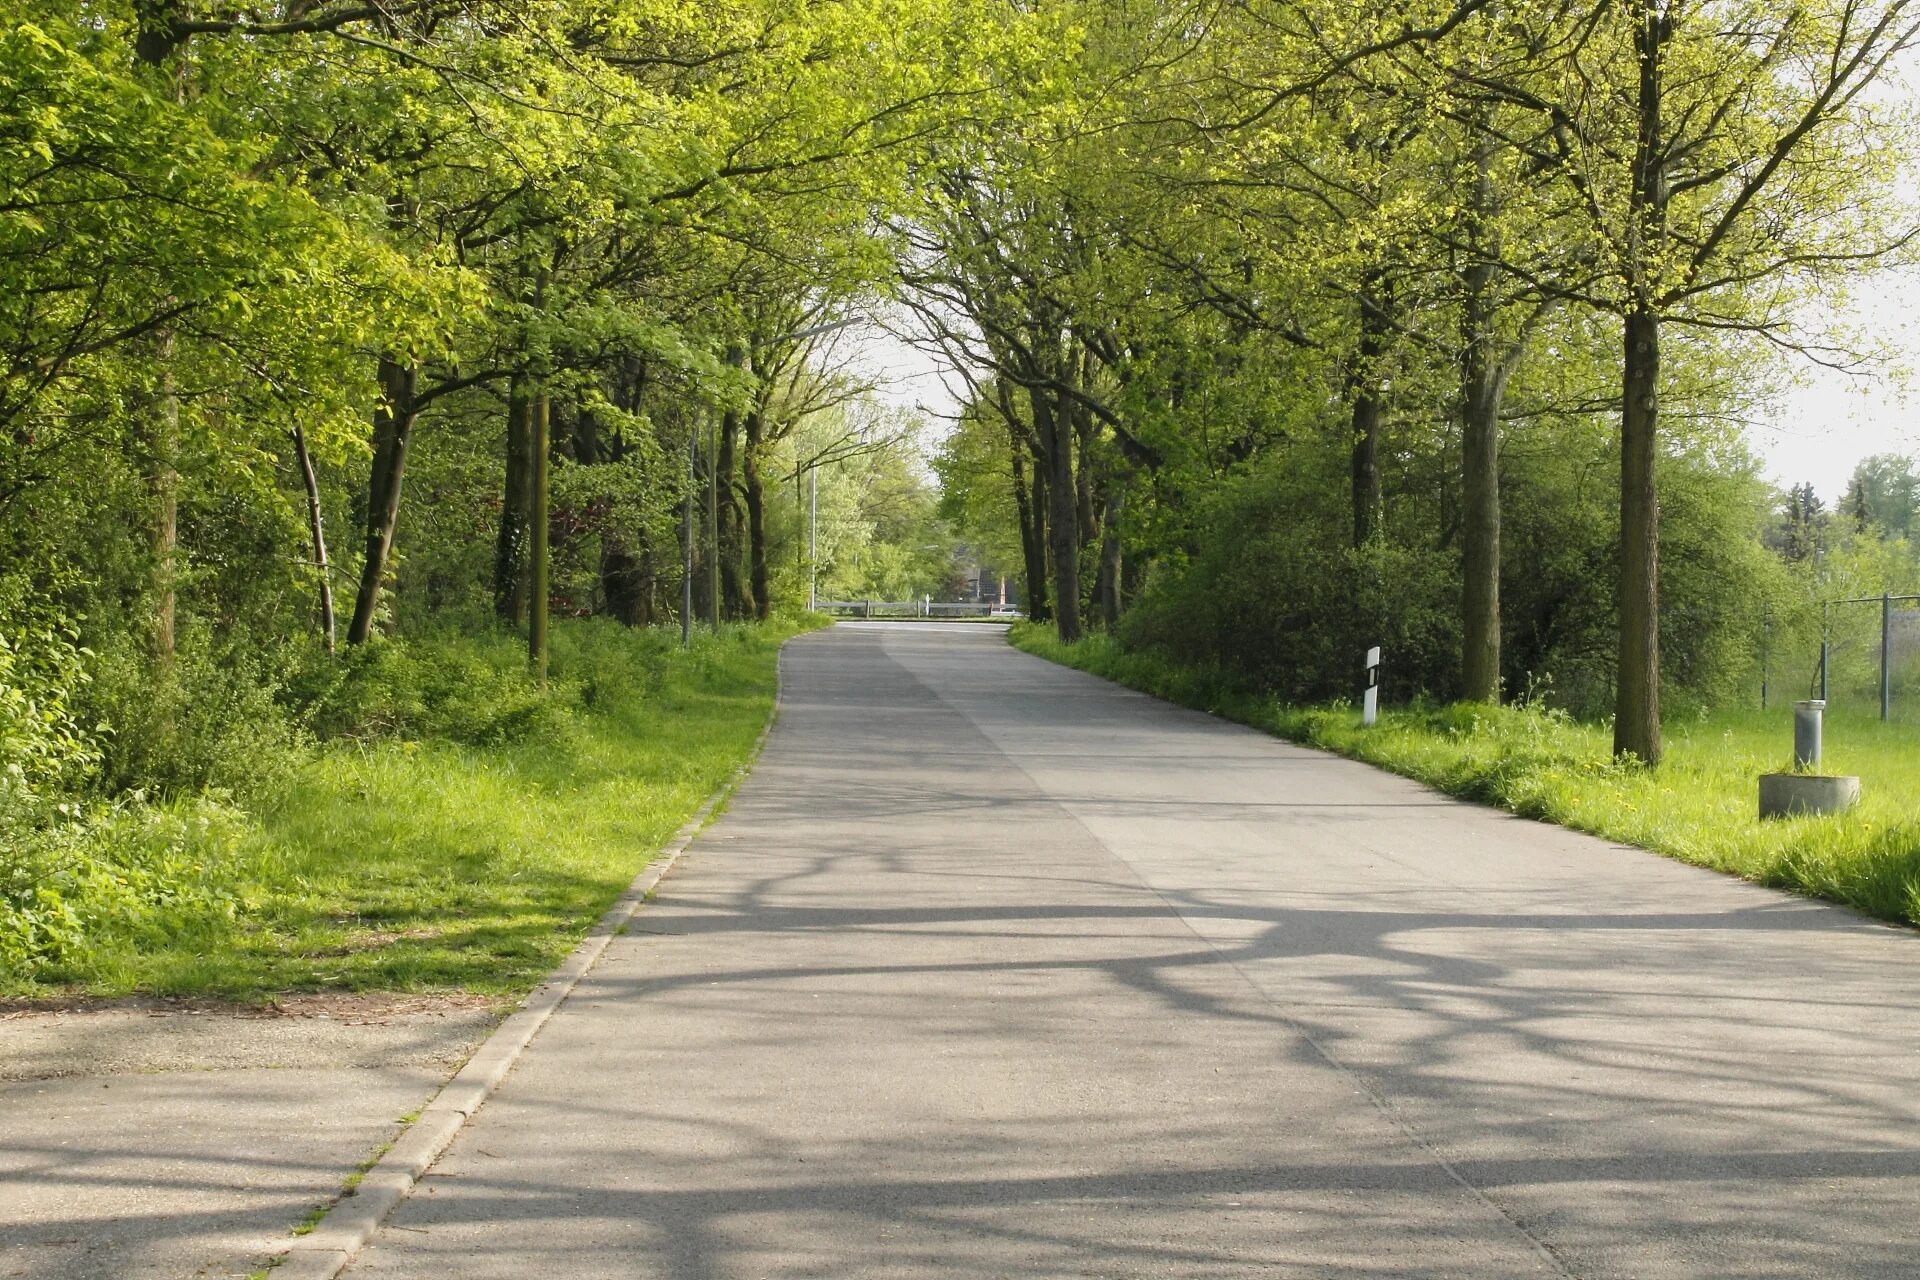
{"x": 1807, "y": 716}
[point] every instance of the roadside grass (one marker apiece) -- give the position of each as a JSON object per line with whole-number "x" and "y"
{"x": 428, "y": 864}
{"x": 1699, "y": 806}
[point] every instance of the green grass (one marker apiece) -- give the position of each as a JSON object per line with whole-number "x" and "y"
{"x": 422, "y": 866}
{"x": 1699, "y": 806}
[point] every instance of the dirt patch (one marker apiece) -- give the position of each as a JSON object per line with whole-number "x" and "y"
{"x": 354, "y": 1006}
{"x": 51, "y": 1039}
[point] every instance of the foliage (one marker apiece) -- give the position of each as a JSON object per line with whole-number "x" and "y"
{"x": 44, "y": 749}
{"x": 396, "y": 862}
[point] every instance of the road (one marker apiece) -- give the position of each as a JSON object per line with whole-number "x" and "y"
{"x": 993, "y": 969}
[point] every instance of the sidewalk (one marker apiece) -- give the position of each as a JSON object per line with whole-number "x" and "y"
{"x": 154, "y": 1139}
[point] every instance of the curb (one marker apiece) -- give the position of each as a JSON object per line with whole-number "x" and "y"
{"x": 351, "y": 1221}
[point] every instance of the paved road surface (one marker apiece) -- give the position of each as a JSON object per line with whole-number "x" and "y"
{"x": 997, "y": 970}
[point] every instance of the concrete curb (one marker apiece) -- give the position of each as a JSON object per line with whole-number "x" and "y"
{"x": 325, "y": 1252}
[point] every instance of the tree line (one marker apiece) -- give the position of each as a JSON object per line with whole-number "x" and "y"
{"x": 1317, "y": 326}
{"x": 1285, "y": 326}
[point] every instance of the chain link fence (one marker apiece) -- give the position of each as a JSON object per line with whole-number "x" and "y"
{"x": 1864, "y": 656}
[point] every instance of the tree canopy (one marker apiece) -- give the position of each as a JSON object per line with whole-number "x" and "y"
{"x": 1287, "y": 327}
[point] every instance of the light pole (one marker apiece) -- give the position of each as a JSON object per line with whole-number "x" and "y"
{"x": 686, "y": 542}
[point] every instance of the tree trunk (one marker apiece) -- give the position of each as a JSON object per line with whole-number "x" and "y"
{"x": 756, "y": 495}
{"x": 538, "y": 566}
{"x": 1367, "y": 413}
{"x": 1133, "y": 576}
{"x": 707, "y": 580}
{"x": 510, "y": 549}
{"x": 392, "y": 430}
{"x": 317, "y": 533}
{"x": 1110, "y": 552}
{"x": 1033, "y": 546}
{"x": 1056, "y": 444}
{"x": 733, "y": 592}
{"x": 624, "y": 584}
{"x": 157, "y": 42}
{"x": 165, "y": 482}
{"x": 1636, "y": 717}
{"x": 1636, "y": 721}
{"x": 1481, "y": 388}
{"x": 1085, "y": 507}
{"x": 1480, "y": 547}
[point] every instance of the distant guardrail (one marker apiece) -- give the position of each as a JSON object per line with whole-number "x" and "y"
{"x": 915, "y": 609}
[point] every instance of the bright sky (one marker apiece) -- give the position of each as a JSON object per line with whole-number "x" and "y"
{"x": 1821, "y": 428}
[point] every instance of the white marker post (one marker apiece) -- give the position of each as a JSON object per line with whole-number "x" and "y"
{"x": 1370, "y": 701}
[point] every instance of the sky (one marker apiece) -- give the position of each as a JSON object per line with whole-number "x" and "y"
{"x": 1821, "y": 428}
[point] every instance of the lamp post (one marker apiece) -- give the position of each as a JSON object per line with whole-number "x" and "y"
{"x": 686, "y": 542}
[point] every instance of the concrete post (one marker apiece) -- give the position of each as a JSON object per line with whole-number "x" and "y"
{"x": 1370, "y": 700}
{"x": 1807, "y": 718}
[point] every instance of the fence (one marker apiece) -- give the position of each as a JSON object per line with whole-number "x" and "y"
{"x": 921, "y": 608}
{"x": 1867, "y": 654}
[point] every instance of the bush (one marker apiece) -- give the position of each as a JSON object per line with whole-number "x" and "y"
{"x": 44, "y": 751}
{"x": 123, "y": 876}
{"x": 472, "y": 689}
{"x": 209, "y": 719}
{"x": 1274, "y": 593}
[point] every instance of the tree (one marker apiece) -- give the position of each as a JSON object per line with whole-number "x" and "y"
{"x": 1718, "y": 155}
{"x": 1884, "y": 494}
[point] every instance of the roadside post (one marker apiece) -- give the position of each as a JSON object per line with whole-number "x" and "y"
{"x": 1806, "y": 790}
{"x": 1370, "y": 700}
{"x": 1807, "y": 716}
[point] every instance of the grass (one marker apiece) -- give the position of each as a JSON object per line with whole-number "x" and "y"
{"x": 440, "y": 866}
{"x": 1699, "y": 806}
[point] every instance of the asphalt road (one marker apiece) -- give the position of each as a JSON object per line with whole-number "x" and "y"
{"x": 996, "y": 970}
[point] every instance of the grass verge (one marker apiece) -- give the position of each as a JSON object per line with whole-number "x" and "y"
{"x": 391, "y": 862}
{"x": 1699, "y": 806}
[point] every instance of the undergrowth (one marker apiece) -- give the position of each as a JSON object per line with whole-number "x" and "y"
{"x": 412, "y": 816}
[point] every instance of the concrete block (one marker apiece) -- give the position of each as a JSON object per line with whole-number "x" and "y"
{"x": 1791, "y": 795}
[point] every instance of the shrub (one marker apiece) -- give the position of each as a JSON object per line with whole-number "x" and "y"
{"x": 1274, "y": 592}
{"x": 207, "y": 719}
{"x": 44, "y": 751}
{"x": 472, "y": 689}
{"x": 124, "y": 875}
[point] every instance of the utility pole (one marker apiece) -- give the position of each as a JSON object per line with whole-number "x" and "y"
{"x": 686, "y": 544}
{"x": 813, "y": 537}
{"x": 713, "y": 521}
{"x": 537, "y": 595}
